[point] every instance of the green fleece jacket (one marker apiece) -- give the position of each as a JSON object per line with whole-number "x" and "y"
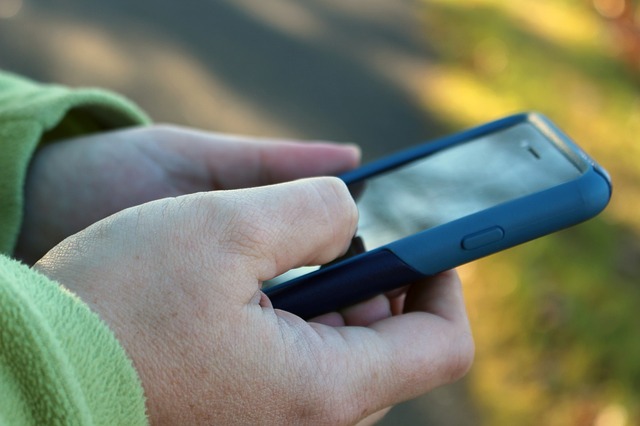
{"x": 59, "y": 363}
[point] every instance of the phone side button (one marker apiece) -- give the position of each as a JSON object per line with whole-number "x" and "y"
{"x": 482, "y": 238}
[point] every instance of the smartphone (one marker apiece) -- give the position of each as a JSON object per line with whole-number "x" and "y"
{"x": 445, "y": 203}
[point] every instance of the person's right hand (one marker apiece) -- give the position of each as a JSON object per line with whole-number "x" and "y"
{"x": 178, "y": 281}
{"x": 76, "y": 182}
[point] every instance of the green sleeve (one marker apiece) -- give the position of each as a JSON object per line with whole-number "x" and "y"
{"x": 31, "y": 113}
{"x": 59, "y": 363}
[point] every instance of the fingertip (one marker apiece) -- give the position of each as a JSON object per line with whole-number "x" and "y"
{"x": 293, "y": 160}
{"x": 354, "y": 153}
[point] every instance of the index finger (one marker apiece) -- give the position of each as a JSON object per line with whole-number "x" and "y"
{"x": 236, "y": 161}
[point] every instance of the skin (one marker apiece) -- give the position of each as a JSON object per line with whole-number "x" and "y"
{"x": 178, "y": 279}
{"x": 74, "y": 183}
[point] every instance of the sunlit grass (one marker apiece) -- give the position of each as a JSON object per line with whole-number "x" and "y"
{"x": 555, "y": 320}
{"x": 493, "y": 65}
{"x": 561, "y": 23}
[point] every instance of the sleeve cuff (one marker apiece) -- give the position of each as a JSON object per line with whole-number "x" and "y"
{"x": 31, "y": 113}
{"x": 59, "y": 363}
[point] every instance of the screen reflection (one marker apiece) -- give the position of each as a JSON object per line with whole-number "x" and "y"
{"x": 458, "y": 182}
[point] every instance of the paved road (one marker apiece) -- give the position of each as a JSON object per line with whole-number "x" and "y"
{"x": 346, "y": 70}
{"x": 319, "y": 69}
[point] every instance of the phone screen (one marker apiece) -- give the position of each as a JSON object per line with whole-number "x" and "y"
{"x": 452, "y": 183}
{"x": 459, "y": 181}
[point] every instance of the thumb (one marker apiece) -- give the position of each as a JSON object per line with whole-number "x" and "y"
{"x": 222, "y": 238}
{"x": 269, "y": 230}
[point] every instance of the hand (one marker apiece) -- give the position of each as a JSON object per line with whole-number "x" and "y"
{"x": 74, "y": 183}
{"x": 178, "y": 280}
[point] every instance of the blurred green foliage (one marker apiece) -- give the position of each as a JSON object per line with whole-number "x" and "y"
{"x": 557, "y": 320}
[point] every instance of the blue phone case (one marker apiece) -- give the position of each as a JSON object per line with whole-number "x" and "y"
{"x": 446, "y": 246}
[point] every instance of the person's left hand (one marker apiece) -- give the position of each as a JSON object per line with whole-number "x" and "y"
{"x": 74, "y": 183}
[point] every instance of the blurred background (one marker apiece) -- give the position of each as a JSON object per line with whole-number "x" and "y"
{"x": 556, "y": 321}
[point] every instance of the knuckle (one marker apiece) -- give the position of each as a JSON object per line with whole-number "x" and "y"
{"x": 241, "y": 229}
{"x": 244, "y": 237}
